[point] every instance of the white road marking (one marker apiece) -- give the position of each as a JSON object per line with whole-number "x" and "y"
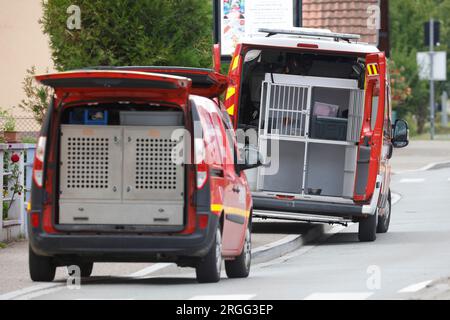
{"x": 448, "y": 179}
{"x": 149, "y": 270}
{"x": 92, "y": 299}
{"x": 339, "y": 296}
{"x": 41, "y": 293}
{"x": 224, "y": 297}
{"x": 14, "y": 294}
{"x": 395, "y": 198}
{"x": 415, "y": 287}
{"x": 412, "y": 180}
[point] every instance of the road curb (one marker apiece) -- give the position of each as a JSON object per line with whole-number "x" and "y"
{"x": 288, "y": 244}
{"x": 428, "y": 167}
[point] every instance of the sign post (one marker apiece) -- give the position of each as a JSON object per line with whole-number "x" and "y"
{"x": 432, "y": 101}
{"x": 432, "y": 67}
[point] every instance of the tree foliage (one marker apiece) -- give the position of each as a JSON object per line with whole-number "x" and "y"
{"x": 126, "y": 32}
{"x": 37, "y": 97}
{"x": 407, "y": 38}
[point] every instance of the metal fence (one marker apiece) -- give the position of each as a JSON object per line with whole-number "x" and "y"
{"x": 26, "y": 127}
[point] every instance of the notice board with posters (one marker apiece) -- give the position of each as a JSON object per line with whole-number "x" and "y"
{"x": 236, "y": 19}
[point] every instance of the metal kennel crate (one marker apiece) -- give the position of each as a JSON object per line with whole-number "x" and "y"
{"x": 122, "y": 175}
{"x": 305, "y": 162}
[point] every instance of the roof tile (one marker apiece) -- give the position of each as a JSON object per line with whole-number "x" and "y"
{"x": 349, "y": 16}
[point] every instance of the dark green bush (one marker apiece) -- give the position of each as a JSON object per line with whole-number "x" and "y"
{"x": 130, "y": 32}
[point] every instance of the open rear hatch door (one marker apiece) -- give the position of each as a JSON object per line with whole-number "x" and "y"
{"x": 102, "y": 84}
{"x": 121, "y": 177}
{"x": 205, "y": 82}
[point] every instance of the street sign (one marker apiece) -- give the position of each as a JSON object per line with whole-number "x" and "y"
{"x": 439, "y": 65}
{"x": 437, "y": 33}
{"x": 237, "y": 19}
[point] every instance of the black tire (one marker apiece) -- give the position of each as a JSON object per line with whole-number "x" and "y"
{"x": 42, "y": 269}
{"x": 209, "y": 268}
{"x": 384, "y": 219}
{"x": 85, "y": 268}
{"x": 368, "y": 228}
{"x": 240, "y": 267}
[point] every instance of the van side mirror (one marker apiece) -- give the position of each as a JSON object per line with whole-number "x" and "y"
{"x": 217, "y": 58}
{"x": 401, "y": 134}
{"x": 250, "y": 158}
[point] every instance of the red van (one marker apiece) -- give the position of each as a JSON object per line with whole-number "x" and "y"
{"x": 320, "y": 104}
{"x": 139, "y": 165}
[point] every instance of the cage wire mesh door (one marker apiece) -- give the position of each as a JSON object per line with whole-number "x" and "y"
{"x": 152, "y": 169}
{"x": 91, "y": 160}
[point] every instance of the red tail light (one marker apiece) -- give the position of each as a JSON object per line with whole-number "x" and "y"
{"x": 38, "y": 166}
{"x": 35, "y": 220}
{"x": 202, "y": 168}
{"x": 203, "y": 221}
{"x": 202, "y": 175}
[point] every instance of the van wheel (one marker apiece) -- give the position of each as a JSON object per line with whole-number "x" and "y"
{"x": 85, "y": 269}
{"x": 42, "y": 269}
{"x": 208, "y": 270}
{"x": 368, "y": 228}
{"x": 385, "y": 219}
{"x": 240, "y": 267}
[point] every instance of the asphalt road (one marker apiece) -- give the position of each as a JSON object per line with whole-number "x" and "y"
{"x": 397, "y": 265}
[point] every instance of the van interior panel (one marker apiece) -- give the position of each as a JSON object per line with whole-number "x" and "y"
{"x": 289, "y": 178}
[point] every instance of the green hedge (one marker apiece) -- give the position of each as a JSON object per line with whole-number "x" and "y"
{"x": 130, "y": 32}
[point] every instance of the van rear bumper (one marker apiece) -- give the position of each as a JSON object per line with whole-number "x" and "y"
{"x": 125, "y": 247}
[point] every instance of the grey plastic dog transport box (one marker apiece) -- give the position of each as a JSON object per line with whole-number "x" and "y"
{"x": 154, "y": 118}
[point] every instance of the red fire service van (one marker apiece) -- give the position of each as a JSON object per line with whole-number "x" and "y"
{"x": 137, "y": 164}
{"x": 320, "y": 105}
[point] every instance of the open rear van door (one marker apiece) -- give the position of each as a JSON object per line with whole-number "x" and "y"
{"x": 371, "y": 142}
{"x": 87, "y": 85}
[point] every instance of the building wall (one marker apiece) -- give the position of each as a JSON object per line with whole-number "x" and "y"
{"x": 346, "y": 16}
{"x": 23, "y": 45}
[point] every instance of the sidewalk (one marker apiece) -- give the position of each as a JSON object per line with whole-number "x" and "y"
{"x": 437, "y": 290}
{"x": 420, "y": 154}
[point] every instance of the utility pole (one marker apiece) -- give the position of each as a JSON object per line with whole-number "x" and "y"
{"x": 432, "y": 104}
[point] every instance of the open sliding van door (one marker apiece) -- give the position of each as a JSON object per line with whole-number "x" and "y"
{"x": 368, "y": 178}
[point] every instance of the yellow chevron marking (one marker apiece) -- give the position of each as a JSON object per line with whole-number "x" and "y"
{"x": 230, "y": 110}
{"x": 235, "y": 63}
{"x": 230, "y": 92}
{"x": 373, "y": 69}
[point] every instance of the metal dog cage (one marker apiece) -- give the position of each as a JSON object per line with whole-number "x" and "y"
{"x": 315, "y": 158}
{"x": 121, "y": 175}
